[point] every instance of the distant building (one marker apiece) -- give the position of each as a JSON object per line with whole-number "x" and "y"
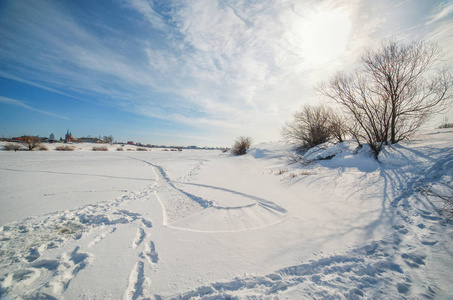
{"x": 23, "y": 138}
{"x": 68, "y": 138}
{"x": 87, "y": 140}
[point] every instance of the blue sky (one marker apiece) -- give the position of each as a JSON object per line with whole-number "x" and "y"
{"x": 198, "y": 72}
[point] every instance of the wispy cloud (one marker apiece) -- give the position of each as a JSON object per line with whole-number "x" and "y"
{"x": 12, "y": 77}
{"x": 146, "y": 9}
{"x": 443, "y": 10}
{"x": 15, "y": 102}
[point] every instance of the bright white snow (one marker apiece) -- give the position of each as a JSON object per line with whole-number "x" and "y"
{"x": 202, "y": 224}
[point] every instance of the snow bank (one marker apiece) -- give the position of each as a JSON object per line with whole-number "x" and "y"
{"x": 274, "y": 150}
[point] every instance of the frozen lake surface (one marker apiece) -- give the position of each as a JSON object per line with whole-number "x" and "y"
{"x": 203, "y": 224}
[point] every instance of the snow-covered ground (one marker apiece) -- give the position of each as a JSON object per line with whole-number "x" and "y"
{"x": 203, "y": 224}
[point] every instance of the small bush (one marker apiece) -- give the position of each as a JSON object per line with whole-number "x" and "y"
{"x": 119, "y": 149}
{"x": 314, "y": 125}
{"x": 305, "y": 173}
{"x": 142, "y": 149}
{"x": 64, "y": 148}
{"x": 241, "y": 145}
{"x": 43, "y": 148}
{"x": 446, "y": 125}
{"x": 102, "y": 148}
{"x": 12, "y": 147}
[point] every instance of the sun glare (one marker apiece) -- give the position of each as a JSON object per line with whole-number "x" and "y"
{"x": 325, "y": 36}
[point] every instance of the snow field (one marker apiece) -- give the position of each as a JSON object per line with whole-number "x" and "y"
{"x": 201, "y": 224}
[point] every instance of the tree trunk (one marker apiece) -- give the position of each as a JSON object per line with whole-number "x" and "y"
{"x": 393, "y": 124}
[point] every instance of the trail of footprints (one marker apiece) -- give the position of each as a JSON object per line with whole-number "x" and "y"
{"x": 38, "y": 276}
{"x": 139, "y": 283}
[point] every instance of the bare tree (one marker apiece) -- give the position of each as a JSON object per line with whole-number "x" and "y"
{"x": 314, "y": 125}
{"x": 241, "y": 145}
{"x": 31, "y": 142}
{"x": 108, "y": 139}
{"x": 394, "y": 92}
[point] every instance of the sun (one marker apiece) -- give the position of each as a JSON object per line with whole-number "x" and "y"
{"x": 325, "y": 36}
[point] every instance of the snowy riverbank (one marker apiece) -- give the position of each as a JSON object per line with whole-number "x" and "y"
{"x": 197, "y": 223}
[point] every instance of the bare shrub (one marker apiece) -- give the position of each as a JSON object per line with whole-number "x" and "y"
{"x": 64, "y": 148}
{"x": 305, "y": 173}
{"x": 445, "y": 124}
{"x": 119, "y": 149}
{"x": 12, "y": 147}
{"x": 281, "y": 172}
{"x": 142, "y": 149}
{"x": 241, "y": 145}
{"x": 390, "y": 96}
{"x": 43, "y": 148}
{"x": 314, "y": 125}
{"x": 100, "y": 148}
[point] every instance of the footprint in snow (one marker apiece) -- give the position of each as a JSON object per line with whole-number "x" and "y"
{"x": 48, "y": 273}
{"x": 150, "y": 253}
{"x": 69, "y": 265}
{"x": 139, "y": 237}
{"x": 138, "y": 283}
{"x": 101, "y": 236}
{"x": 413, "y": 260}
